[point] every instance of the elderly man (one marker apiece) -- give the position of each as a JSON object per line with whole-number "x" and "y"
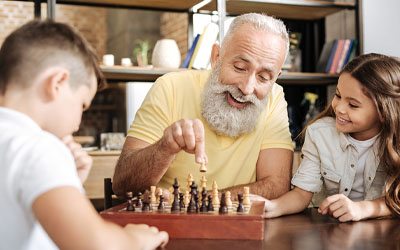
{"x": 233, "y": 118}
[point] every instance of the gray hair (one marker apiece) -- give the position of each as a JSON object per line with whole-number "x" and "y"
{"x": 261, "y": 22}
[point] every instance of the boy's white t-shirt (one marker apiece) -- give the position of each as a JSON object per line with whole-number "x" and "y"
{"x": 32, "y": 162}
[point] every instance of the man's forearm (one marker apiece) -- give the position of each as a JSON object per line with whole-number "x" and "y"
{"x": 269, "y": 188}
{"x": 138, "y": 169}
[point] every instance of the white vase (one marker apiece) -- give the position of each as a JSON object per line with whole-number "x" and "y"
{"x": 166, "y": 54}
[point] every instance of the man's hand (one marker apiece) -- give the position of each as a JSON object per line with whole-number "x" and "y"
{"x": 341, "y": 207}
{"x": 83, "y": 161}
{"x": 186, "y": 135}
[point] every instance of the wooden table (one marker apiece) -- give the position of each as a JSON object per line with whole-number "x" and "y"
{"x": 309, "y": 231}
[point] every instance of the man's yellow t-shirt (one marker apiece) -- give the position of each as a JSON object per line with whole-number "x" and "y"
{"x": 231, "y": 161}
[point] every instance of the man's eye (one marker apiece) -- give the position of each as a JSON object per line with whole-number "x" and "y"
{"x": 238, "y": 68}
{"x": 263, "y": 79}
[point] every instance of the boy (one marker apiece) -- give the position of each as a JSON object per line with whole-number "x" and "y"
{"x": 48, "y": 76}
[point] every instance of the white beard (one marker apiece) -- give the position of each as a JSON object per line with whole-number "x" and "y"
{"x": 221, "y": 116}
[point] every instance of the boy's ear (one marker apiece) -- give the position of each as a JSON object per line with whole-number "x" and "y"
{"x": 215, "y": 53}
{"x": 55, "y": 80}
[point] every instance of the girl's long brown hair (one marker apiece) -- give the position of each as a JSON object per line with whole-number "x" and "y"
{"x": 380, "y": 77}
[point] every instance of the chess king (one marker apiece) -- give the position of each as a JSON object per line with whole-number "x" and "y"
{"x": 232, "y": 118}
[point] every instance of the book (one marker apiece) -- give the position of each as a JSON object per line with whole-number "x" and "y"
{"x": 328, "y": 66}
{"x": 196, "y": 49}
{"x": 343, "y": 56}
{"x": 352, "y": 51}
{"x": 203, "y": 55}
{"x": 324, "y": 57}
{"x": 189, "y": 55}
{"x": 336, "y": 57}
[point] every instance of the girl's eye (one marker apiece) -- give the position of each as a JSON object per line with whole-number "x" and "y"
{"x": 337, "y": 95}
{"x": 353, "y": 106}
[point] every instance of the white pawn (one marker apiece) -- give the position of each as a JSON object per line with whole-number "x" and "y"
{"x": 228, "y": 199}
{"x": 153, "y": 194}
{"x": 215, "y": 199}
{"x": 186, "y": 199}
{"x": 246, "y": 199}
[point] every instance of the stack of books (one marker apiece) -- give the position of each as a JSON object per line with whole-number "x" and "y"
{"x": 335, "y": 55}
{"x": 199, "y": 54}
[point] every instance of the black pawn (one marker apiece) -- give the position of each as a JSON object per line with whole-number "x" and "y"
{"x": 175, "y": 204}
{"x": 139, "y": 202}
{"x": 223, "y": 209}
{"x": 181, "y": 203}
{"x": 161, "y": 206}
{"x": 130, "y": 206}
{"x": 210, "y": 207}
{"x": 192, "y": 204}
{"x": 203, "y": 207}
{"x": 240, "y": 208}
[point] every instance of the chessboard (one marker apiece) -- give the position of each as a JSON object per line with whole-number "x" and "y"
{"x": 247, "y": 225}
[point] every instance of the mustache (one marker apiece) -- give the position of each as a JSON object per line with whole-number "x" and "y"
{"x": 235, "y": 92}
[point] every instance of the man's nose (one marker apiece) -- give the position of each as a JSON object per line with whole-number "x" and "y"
{"x": 247, "y": 86}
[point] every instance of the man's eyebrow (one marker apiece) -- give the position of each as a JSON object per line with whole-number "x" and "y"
{"x": 245, "y": 59}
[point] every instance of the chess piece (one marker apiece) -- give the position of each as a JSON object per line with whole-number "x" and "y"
{"x": 159, "y": 192}
{"x": 196, "y": 198}
{"x": 246, "y": 199}
{"x": 203, "y": 167}
{"x": 240, "y": 208}
{"x": 139, "y": 202}
{"x": 186, "y": 199}
{"x": 190, "y": 181}
{"x": 147, "y": 207}
{"x": 192, "y": 204}
{"x": 175, "y": 204}
{"x": 130, "y": 206}
{"x": 210, "y": 206}
{"x": 215, "y": 199}
{"x": 203, "y": 182}
{"x": 181, "y": 203}
{"x": 161, "y": 206}
{"x": 153, "y": 194}
{"x": 223, "y": 209}
{"x": 203, "y": 207}
{"x": 228, "y": 200}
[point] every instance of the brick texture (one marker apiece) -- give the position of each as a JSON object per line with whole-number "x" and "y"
{"x": 175, "y": 26}
{"x": 90, "y": 21}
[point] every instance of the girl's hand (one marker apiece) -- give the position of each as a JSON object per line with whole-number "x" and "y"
{"x": 341, "y": 207}
{"x": 83, "y": 161}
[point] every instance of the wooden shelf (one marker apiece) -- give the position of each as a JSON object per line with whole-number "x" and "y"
{"x": 126, "y": 74}
{"x": 177, "y": 5}
{"x": 290, "y": 9}
{"x": 298, "y": 78}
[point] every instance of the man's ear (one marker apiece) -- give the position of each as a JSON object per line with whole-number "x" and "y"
{"x": 54, "y": 80}
{"x": 215, "y": 54}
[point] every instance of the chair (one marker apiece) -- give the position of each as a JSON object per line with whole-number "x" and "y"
{"x": 109, "y": 201}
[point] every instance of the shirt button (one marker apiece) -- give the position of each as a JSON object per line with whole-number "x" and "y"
{"x": 302, "y": 156}
{"x": 352, "y": 165}
{"x": 345, "y": 189}
{"x": 369, "y": 178}
{"x": 324, "y": 173}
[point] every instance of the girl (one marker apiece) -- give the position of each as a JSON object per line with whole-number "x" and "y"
{"x": 353, "y": 147}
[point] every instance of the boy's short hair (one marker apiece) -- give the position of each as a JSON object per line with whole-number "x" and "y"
{"x": 38, "y": 45}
